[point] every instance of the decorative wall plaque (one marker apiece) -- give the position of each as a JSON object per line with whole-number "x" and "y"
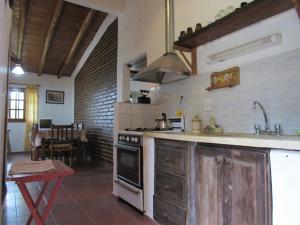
{"x": 226, "y": 78}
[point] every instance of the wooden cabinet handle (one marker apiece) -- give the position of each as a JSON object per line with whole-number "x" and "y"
{"x": 226, "y": 162}
{"x": 225, "y": 200}
{"x": 218, "y": 160}
{"x": 167, "y": 159}
{"x": 165, "y": 215}
{"x": 167, "y": 187}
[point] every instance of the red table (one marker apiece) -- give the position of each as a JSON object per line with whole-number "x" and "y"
{"x": 61, "y": 170}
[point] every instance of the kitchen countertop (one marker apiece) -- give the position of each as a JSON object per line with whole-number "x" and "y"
{"x": 288, "y": 142}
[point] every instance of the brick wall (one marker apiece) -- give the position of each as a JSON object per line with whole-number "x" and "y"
{"x": 96, "y": 93}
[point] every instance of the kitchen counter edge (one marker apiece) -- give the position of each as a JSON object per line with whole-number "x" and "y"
{"x": 250, "y": 140}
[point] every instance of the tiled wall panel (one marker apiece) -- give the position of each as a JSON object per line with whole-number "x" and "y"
{"x": 273, "y": 81}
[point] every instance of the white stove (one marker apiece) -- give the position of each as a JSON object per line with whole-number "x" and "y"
{"x": 129, "y": 162}
{"x": 129, "y": 168}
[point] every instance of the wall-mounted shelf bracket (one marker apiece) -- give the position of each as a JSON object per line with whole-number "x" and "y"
{"x": 193, "y": 64}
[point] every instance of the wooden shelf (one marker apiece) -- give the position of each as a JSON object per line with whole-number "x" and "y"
{"x": 251, "y": 13}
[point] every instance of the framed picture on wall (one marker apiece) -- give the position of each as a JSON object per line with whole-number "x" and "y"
{"x": 55, "y": 97}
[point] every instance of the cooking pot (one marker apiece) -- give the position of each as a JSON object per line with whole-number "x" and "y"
{"x": 144, "y": 99}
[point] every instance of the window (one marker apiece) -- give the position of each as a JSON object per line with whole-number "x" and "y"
{"x": 16, "y": 105}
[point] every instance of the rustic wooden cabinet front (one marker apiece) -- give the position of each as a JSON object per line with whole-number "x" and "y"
{"x": 232, "y": 186}
{"x": 171, "y": 189}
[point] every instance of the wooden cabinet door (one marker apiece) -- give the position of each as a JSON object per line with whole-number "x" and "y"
{"x": 246, "y": 187}
{"x": 171, "y": 156}
{"x": 209, "y": 185}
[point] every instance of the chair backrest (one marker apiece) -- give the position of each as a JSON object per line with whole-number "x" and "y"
{"x": 78, "y": 126}
{"x": 61, "y": 134}
{"x": 34, "y": 132}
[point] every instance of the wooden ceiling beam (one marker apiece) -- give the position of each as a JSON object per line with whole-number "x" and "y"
{"x": 50, "y": 34}
{"x": 77, "y": 41}
{"x": 297, "y": 6}
{"x": 23, "y": 13}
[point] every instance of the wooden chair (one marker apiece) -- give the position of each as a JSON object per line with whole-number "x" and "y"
{"x": 62, "y": 142}
{"x": 80, "y": 143}
{"x": 78, "y": 125}
{"x": 41, "y": 151}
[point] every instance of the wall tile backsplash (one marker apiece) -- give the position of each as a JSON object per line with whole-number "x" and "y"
{"x": 274, "y": 81}
{"x": 134, "y": 116}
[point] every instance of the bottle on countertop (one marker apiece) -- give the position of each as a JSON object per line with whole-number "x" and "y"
{"x": 196, "y": 124}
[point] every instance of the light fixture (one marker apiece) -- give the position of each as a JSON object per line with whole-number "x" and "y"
{"x": 18, "y": 70}
{"x": 246, "y": 48}
{"x": 17, "y": 62}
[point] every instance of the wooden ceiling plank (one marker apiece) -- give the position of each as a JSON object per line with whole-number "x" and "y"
{"x": 22, "y": 27}
{"x": 77, "y": 41}
{"x": 50, "y": 34}
{"x": 297, "y": 6}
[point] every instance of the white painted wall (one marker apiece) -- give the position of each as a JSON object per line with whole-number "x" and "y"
{"x": 142, "y": 30}
{"x": 5, "y": 15}
{"x": 17, "y": 136}
{"x": 59, "y": 113}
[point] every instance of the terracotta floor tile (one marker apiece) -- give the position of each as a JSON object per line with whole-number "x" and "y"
{"x": 9, "y": 214}
{"x": 20, "y": 202}
{"x": 23, "y": 221}
{"x": 13, "y": 221}
{"x": 23, "y": 211}
{"x": 10, "y": 196}
{"x": 10, "y": 203}
{"x": 85, "y": 198}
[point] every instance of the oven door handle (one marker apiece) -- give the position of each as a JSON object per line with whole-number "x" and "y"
{"x": 128, "y": 148}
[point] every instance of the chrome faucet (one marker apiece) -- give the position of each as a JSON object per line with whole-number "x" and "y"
{"x": 267, "y": 126}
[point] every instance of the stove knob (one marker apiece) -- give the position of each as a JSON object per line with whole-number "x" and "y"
{"x": 136, "y": 140}
{"x": 132, "y": 139}
{"x": 127, "y": 139}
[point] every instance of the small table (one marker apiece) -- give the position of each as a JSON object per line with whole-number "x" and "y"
{"x": 61, "y": 170}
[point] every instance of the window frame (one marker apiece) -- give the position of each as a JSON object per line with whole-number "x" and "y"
{"x": 9, "y": 109}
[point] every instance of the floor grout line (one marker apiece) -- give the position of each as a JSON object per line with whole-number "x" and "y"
{"x": 83, "y": 210}
{"x": 46, "y": 202}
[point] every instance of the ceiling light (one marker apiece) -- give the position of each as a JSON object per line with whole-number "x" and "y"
{"x": 18, "y": 70}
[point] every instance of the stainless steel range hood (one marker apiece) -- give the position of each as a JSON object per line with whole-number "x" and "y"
{"x": 169, "y": 67}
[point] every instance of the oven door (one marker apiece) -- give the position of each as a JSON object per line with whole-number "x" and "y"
{"x": 130, "y": 165}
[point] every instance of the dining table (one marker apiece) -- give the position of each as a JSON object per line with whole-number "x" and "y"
{"x": 44, "y": 134}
